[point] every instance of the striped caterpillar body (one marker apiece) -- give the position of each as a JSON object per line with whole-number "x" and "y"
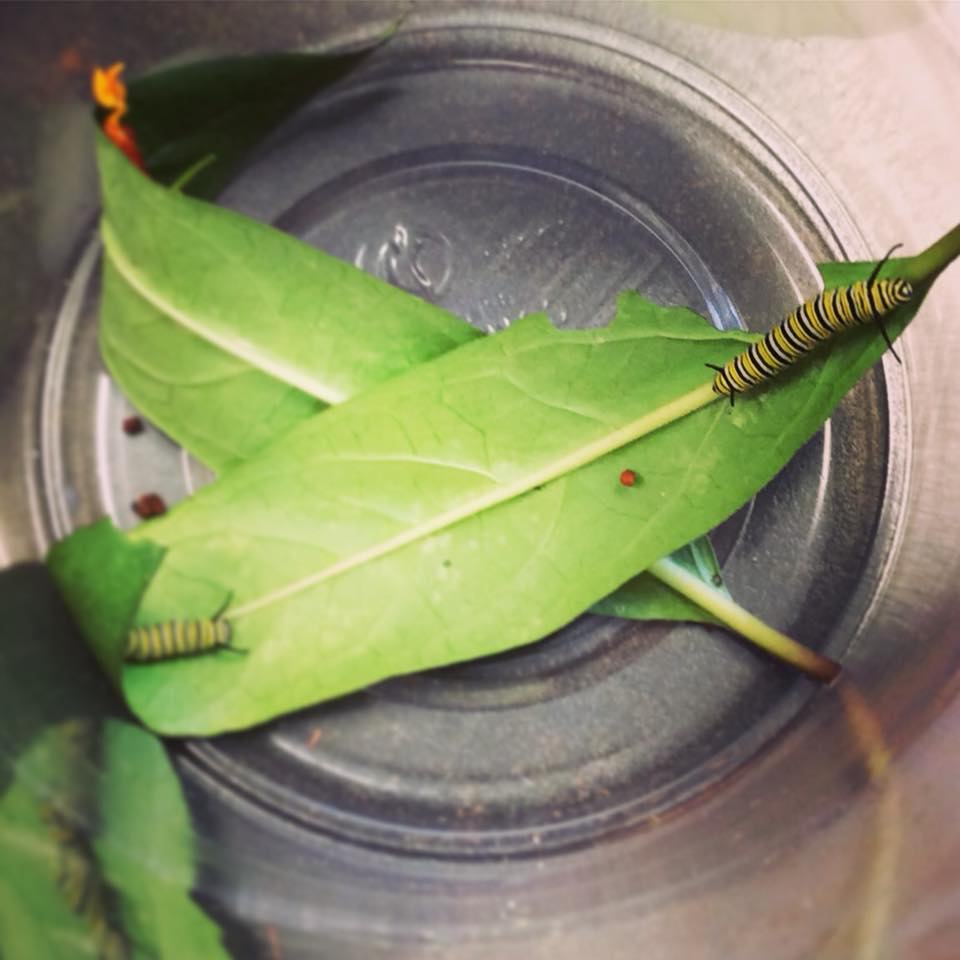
{"x": 82, "y": 886}
{"x": 177, "y": 638}
{"x": 812, "y": 322}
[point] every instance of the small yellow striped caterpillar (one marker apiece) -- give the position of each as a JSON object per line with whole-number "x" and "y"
{"x": 812, "y": 322}
{"x": 179, "y": 638}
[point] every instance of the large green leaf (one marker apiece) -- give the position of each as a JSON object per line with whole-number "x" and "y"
{"x": 98, "y": 555}
{"x": 216, "y": 405}
{"x": 215, "y": 111}
{"x": 96, "y": 844}
{"x": 208, "y": 276}
{"x": 184, "y": 330}
{"x": 223, "y": 108}
{"x": 468, "y": 506}
{"x": 96, "y": 850}
{"x": 647, "y": 595}
{"x": 36, "y": 919}
{"x": 146, "y": 847}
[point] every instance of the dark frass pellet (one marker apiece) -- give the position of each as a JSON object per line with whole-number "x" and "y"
{"x": 132, "y": 426}
{"x": 148, "y": 505}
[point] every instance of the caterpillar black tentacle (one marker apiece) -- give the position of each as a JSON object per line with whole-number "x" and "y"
{"x": 180, "y": 638}
{"x": 812, "y": 322}
{"x": 719, "y": 370}
{"x": 879, "y": 317}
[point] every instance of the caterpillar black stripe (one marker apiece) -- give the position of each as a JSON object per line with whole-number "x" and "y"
{"x": 812, "y": 322}
{"x": 178, "y": 638}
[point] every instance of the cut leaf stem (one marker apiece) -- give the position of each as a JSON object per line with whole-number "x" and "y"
{"x": 745, "y": 623}
{"x": 924, "y": 268}
{"x": 192, "y": 171}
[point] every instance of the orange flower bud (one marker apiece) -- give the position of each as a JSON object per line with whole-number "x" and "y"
{"x": 122, "y": 136}
{"x": 109, "y": 90}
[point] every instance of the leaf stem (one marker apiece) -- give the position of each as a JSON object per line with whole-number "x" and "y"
{"x": 921, "y": 271}
{"x": 924, "y": 268}
{"x": 192, "y": 171}
{"x": 743, "y": 622}
{"x": 230, "y": 343}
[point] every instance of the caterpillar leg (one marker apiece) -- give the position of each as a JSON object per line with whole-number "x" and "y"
{"x": 713, "y": 366}
{"x": 223, "y": 606}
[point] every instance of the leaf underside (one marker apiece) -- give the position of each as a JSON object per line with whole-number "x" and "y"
{"x": 347, "y": 493}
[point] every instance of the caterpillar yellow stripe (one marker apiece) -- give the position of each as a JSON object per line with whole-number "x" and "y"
{"x": 812, "y": 322}
{"x": 177, "y": 638}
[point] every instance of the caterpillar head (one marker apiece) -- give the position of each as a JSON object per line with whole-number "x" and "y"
{"x": 902, "y": 290}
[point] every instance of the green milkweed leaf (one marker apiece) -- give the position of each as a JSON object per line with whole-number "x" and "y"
{"x": 36, "y": 919}
{"x": 470, "y": 505}
{"x": 212, "y": 283}
{"x": 96, "y": 850}
{"x": 183, "y": 331}
{"x": 96, "y": 844}
{"x": 223, "y": 108}
{"x": 214, "y": 404}
{"x": 100, "y": 554}
{"x": 650, "y": 594}
{"x": 206, "y": 116}
{"x": 146, "y": 847}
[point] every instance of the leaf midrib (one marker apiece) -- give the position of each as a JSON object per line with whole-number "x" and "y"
{"x": 233, "y": 346}
{"x": 579, "y": 457}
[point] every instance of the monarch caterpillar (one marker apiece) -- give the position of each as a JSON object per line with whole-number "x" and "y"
{"x": 813, "y": 321}
{"x": 179, "y": 638}
{"x": 83, "y": 887}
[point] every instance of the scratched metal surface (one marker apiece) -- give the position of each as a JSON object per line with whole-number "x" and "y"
{"x": 735, "y": 820}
